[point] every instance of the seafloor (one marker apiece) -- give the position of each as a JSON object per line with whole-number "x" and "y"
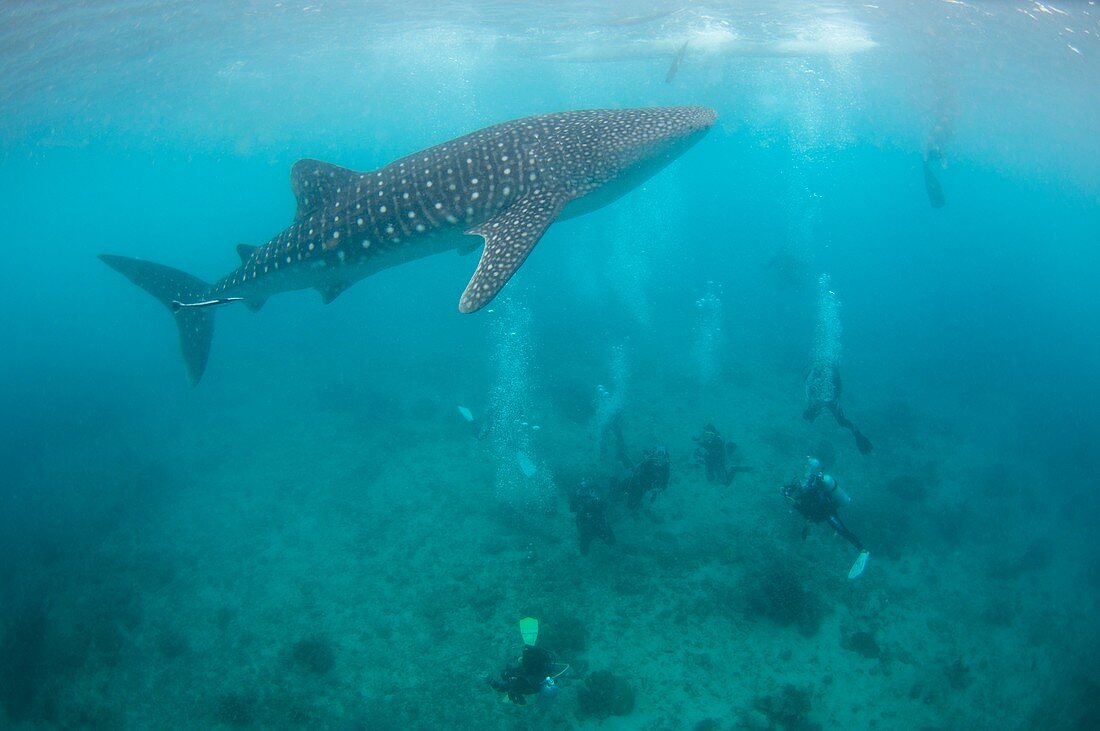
{"x": 340, "y": 557}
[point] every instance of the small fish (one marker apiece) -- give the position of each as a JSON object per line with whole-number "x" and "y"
{"x": 466, "y": 414}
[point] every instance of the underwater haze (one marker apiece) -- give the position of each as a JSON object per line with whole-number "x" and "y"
{"x": 342, "y": 524}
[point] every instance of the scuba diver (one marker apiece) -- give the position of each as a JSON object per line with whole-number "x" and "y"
{"x": 609, "y": 422}
{"x": 818, "y": 497}
{"x": 713, "y": 453}
{"x": 615, "y": 429}
{"x": 592, "y": 519}
{"x": 826, "y": 379}
{"x": 933, "y": 158}
{"x": 534, "y": 673}
{"x": 648, "y": 476}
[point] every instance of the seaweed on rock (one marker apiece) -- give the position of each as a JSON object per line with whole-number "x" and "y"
{"x": 313, "y": 654}
{"x": 779, "y": 596}
{"x": 788, "y": 709}
{"x": 604, "y": 695}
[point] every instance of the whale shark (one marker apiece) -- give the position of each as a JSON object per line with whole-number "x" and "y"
{"x": 505, "y": 183}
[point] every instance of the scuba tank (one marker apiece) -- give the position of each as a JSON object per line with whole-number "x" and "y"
{"x": 548, "y": 691}
{"x": 832, "y": 491}
{"x": 813, "y": 471}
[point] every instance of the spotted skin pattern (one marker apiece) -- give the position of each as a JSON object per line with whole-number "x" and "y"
{"x": 513, "y": 234}
{"x": 506, "y": 183}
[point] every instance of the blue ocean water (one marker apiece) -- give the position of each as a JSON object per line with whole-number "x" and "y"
{"x": 314, "y": 536}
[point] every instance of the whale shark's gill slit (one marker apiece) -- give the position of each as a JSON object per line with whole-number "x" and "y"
{"x": 509, "y": 238}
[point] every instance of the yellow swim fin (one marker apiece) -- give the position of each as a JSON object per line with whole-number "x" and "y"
{"x": 529, "y": 628}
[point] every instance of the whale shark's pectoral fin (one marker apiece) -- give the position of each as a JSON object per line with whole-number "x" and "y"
{"x": 318, "y": 184}
{"x": 329, "y": 292}
{"x": 509, "y": 238}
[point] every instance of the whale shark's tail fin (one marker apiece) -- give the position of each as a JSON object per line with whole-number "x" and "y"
{"x": 170, "y": 287}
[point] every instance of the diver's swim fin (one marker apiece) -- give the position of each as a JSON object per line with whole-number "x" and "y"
{"x": 526, "y": 465}
{"x": 863, "y": 444}
{"x": 933, "y": 188}
{"x": 859, "y": 565}
{"x": 529, "y": 629}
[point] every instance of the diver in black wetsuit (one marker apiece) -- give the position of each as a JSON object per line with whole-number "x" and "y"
{"x": 615, "y": 429}
{"x": 592, "y": 519}
{"x": 651, "y": 475}
{"x": 534, "y": 674}
{"x": 934, "y": 158}
{"x": 818, "y": 497}
{"x": 713, "y": 453}
{"x": 814, "y": 377}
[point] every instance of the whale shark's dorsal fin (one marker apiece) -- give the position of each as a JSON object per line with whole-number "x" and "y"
{"x": 317, "y": 184}
{"x": 245, "y": 252}
{"x": 509, "y": 238}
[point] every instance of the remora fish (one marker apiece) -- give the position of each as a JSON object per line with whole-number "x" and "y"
{"x": 506, "y": 183}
